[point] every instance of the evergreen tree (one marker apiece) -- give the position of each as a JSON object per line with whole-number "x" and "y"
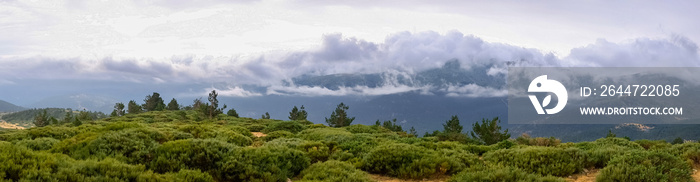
{"x": 678, "y": 140}
{"x": 413, "y": 131}
{"x": 452, "y": 125}
{"x": 118, "y": 110}
{"x": 211, "y": 109}
{"x": 297, "y": 114}
{"x": 77, "y": 122}
{"x": 610, "y": 134}
{"x": 390, "y": 125}
{"x": 134, "y": 108}
{"x": 232, "y": 112}
{"x": 173, "y": 105}
{"x": 339, "y": 117}
{"x": 84, "y": 116}
{"x": 41, "y": 119}
{"x": 153, "y": 103}
{"x": 266, "y": 115}
{"x": 489, "y": 132}
{"x": 68, "y": 117}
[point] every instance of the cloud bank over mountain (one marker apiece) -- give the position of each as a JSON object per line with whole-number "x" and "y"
{"x": 451, "y": 64}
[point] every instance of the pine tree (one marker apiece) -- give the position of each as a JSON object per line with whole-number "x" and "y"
{"x": 232, "y": 112}
{"x": 610, "y": 134}
{"x": 413, "y": 131}
{"x": 678, "y": 140}
{"x": 452, "y": 125}
{"x": 41, "y": 119}
{"x": 153, "y": 103}
{"x": 294, "y": 114}
{"x": 173, "y": 105}
{"x": 298, "y": 114}
{"x": 489, "y": 132}
{"x": 118, "y": 110}
{"x": 133, "y": 108}
{"x": 211, "y": 109}
{"x": 339, "y": 117}
{"x": 68, "y": 117}
{"x": 266, "y": 115}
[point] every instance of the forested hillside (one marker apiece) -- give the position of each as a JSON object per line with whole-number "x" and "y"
{"x": 159, "y": 142}
{"x": 26, "y": 118}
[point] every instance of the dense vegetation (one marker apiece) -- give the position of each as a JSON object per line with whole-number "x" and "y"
{"x": 201, "y": 143}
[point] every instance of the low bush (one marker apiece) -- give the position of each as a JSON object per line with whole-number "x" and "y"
{"x": 687, "y": 151}
{"x": 653, "y": 144}
{"x": 525, "y": 139}
{"x": 266, "y": 163}
{"x": 359, "y": 128}
{"x": 44, "y": 143}
{"x": 202, "y": 154}
{"x": 290, "y": 126}
{"x": 540, "y": 160}
{"x": 286, "y": 142}
{"x": 645, "y": 166}
{"x": 256, "y": 127}
{"x": 602, "y": 150}
{"x": 20, "y": 164}
{"x": 234, "y": 138}
{"x": 334, "y": 171}
{"x": 406, "y": 161}
{"x": 278, "y": 134}
{"x": 319, "y": 134}
{"x": 501, "y": 173}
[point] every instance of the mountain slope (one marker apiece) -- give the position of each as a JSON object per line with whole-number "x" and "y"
{"x": 9, "y": 107}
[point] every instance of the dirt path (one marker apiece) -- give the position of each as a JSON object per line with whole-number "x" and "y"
{"x": 381, "y": 178}
{"x": 696, "y": 174}
{"x": 585, "y": 177}
{"x": 258, "y": 134}
{"x": 7, "y": 125}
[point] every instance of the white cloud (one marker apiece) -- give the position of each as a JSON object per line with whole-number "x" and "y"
{"x": 342, "y": 91}
{"x": 473, "y": 90}
{"x": 235, "y": 92}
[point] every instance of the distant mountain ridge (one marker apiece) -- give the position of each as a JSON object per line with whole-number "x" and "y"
{"x": 9, "y": 107}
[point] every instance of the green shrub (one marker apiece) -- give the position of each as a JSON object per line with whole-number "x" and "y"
{"x": 278, "y": 134}
{"x": 20, "y": 164}
{"x": 241, "y": 130}
{"x": 334, "y": 171}
{"x": 256, "y": 127}
{"x": 688, "y": 151}
{"x": 114, "y": 126}
{"x": 234, "y": 138}
{"x": 645, "y": 166}
{"x": 525, "y": 139}
{"x": 406, "y": 161}
{"x": 602, "y": 150}
{"x": 57, "y": 132}
{"x": 290, "y": 126}
{"x": 267, "y": 163}
{"x": 44, "y": 143}
{"x": 319, "y": 134}
{"x": 202, "y": 154}
{"x": 540, "y": 160}
{"x": 286, "y": 142}
{"x": 653, "y": 144}
{"x": 359, "y": 128}
{"x": 130, "y": 145}
{"x": 501, "y": 173}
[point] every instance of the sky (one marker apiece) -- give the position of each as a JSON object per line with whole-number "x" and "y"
{"x": 267, "y": 43}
